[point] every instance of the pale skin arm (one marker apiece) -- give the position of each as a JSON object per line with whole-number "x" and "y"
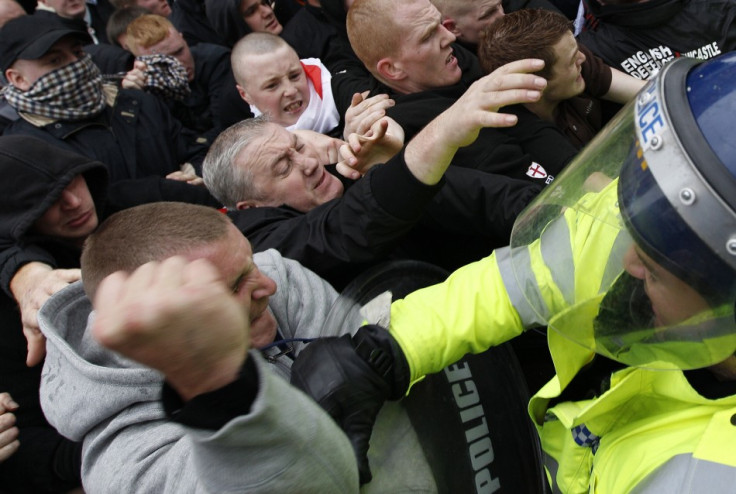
{"x": 178, "y": 317}
{"x": 429, "y": 153}
{"x": 623, "y": 87}
{"x": 8, "y": 431}
{"x": 32, "y": 286}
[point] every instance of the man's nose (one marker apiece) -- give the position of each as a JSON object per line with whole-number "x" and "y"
{"x": 447, "y": 36}
{"x": 633, "y": 264}
{"x": 290, "y": 88}
{"x": 266, "y": 287}
{"x": 306, "y": 163}
{"x": 69, "y": 200}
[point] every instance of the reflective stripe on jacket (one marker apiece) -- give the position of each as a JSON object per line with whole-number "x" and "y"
{"x": 647, "y": 424}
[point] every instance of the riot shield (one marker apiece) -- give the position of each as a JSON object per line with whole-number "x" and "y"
{"x": 471, "y": 419}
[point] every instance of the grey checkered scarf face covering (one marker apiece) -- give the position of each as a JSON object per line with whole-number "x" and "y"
{"x": 166, "y": 76}
{"x": 72, "y": 92}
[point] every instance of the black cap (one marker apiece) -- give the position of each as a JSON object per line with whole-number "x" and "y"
{"x": 29, "y": 37}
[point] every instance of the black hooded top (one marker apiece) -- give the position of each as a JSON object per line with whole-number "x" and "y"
{"x": 225, "y": 18}
{"x": 34, "y": 174}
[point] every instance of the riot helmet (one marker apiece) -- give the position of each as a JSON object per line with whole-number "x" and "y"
{"x": 638, "y": 234}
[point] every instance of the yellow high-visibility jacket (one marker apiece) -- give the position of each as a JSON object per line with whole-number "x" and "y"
{"x": 649, "y": 432}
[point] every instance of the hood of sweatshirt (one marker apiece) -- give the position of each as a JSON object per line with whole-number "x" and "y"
{"x": 34, "y": 174}
{"x": 226, "y": 20}
{"x": 93, "y": 384}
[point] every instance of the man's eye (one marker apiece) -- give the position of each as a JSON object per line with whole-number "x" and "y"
{"x": 284, "y": 169}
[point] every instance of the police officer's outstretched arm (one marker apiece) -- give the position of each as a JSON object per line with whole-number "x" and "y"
{"x": 352, "y": 377}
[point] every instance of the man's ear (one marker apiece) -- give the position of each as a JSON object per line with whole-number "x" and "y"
{"x": 243, "y": 94}
{"x": 245, "y": 205}
{"x": 450, "y": 25}
{"x": 17, "y": 79}
{"x": 389, "y": 70}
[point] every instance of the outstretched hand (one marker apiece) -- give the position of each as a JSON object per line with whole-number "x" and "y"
{"x": 32, "y": 286}
{"x": 178, "y": 317}
{"x": 479, "y": 106}
{"x": 8, "y": 431}
{"x": 187, "y": 174}
{"x": 430, "y": 152}
{"x": 364, "y": 112}
{"x": 376, "y": 145}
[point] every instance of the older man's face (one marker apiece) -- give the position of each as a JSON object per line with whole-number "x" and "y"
{"x": 426, "y": 55}
{"x": 286, "y": 172}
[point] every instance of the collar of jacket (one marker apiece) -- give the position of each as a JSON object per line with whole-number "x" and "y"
{"x": 636, "y": 15}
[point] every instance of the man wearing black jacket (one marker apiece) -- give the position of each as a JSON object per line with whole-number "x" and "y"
{"x": 51, "y": 200}
{"x": 207, "y": 66}
{"x": 281, "y": 196}
{"x": 638, "y": 38}
{"x": 59, "y": 95}
{"x": 419, "y": 65}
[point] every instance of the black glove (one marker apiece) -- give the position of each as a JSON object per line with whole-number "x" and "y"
{"x": 351, "y": 378}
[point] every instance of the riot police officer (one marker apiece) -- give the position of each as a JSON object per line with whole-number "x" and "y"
{"x": 629, "y": 260}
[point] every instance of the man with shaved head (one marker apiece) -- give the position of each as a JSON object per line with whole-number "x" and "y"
{"x": 404, "y": 50}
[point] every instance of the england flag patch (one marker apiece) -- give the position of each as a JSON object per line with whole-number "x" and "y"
{"x": 536, "y": 170}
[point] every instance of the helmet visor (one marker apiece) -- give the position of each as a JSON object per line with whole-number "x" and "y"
{"x": 585, "y": 270}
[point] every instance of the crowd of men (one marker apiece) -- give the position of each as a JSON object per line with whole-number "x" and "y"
{"x": 190, "y": 184}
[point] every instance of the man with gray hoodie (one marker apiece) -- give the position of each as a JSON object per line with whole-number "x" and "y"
{"x": 178, "y": 380}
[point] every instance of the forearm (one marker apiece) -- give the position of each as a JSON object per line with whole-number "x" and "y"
{"x": 623, "y": 87}
{"x": 427, "y": 155}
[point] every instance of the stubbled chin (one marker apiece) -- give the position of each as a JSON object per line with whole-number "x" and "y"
{"x": 263, "y": 330}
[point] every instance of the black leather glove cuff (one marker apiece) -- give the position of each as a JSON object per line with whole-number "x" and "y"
{"x": 379, "y": 349}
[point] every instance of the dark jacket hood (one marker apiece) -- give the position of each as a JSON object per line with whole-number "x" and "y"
{"x": 34, "y": 173}
{"x": 225, "y": 19}
{"x": 636, "y": 15}
{"x": 334, "y": 11}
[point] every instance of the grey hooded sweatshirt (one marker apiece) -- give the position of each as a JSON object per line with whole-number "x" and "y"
{"x": 285, "y": 444}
